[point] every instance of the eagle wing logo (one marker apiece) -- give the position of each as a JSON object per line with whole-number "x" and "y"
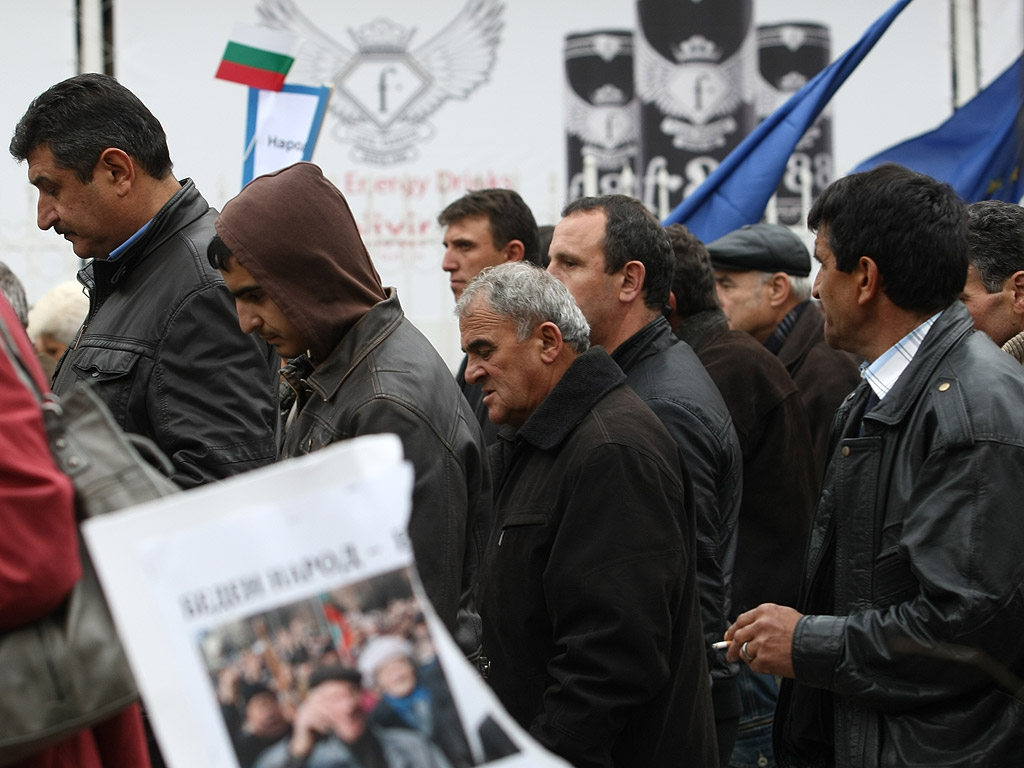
{"x": 606, "y": 126}
{"x": 386, "y": 91}
{"x": 697, "y": 88}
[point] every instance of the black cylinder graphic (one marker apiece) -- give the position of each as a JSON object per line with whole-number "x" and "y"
{"x": 790, "y": 55}
{"x": 696, "y": 73}
{"x": 601, "y": 113}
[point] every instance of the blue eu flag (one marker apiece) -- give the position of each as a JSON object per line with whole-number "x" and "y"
{"x": 738, "y": 190}
{"x": 977, "y": 151}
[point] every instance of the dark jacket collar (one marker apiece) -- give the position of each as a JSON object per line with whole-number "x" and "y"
{"x": 653, "y": 338}
{"x": 591, "y": 376}
{"x": 703, "y": 327}
{"x": 365, "y": 336}
{"x": 182, "y": 209}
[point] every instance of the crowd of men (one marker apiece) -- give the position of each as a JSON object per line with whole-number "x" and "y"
{"x": 681, "y": 505}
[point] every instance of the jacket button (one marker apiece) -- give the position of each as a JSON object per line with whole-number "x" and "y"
{"x": 943, "y": 386}
{"x": 846, "y": 450}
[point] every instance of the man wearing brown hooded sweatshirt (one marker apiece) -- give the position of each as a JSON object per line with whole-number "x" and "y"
{"x": 291, "y": 255}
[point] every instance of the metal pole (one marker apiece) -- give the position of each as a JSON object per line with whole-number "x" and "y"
{"x": 90, "y": 36}
{"x": 966, "y": 54}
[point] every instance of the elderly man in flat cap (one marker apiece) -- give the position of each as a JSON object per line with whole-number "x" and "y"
{"x": 762, "y": 272}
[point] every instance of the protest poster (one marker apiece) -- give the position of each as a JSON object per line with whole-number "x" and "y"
{"x": 282, "y": 127}
{"x": 261, "y": 580}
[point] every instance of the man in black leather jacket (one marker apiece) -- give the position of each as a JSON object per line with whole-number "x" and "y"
{"x": 907, "y": 644}
{"x": 290, "y": 252}
{"x": 161, "y": 343}
{"x": 617, "y": 261}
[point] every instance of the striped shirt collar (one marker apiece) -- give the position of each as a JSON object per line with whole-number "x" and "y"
{"x": 882, "y": 374}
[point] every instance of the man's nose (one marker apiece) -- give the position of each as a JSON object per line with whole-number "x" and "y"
{"x": 46, "y": 214}
{"x": 474, "y": 372}
{"x": 814, "y": 288}
{"x": 448, "y": 263}
{"x": 248, "y": 321}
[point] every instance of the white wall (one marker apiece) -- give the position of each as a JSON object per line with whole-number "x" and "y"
{"x": 509, "y": 131}
{"x": 33, "y": 56}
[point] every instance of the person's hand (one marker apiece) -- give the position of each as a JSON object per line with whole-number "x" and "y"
{"x": 311, "y": 722}
{"x": 763, "y": 639}
{"x": 228, "y": 680}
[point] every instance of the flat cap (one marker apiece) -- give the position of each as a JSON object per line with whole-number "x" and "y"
{"x": 763, "y": 247}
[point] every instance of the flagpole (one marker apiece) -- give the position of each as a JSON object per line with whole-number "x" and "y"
{"x": 966, "y": 69}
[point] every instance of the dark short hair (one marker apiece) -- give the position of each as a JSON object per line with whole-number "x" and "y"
{"x": 633, "y": 234}
{"x": 218, "y": 254}
{"x": 995, "y": 241}
{"x": 337, "y": 673}
{"x": 510, "y": 218}
{"x": 544, "y": 234}
{"x": 693, "y": 281}
{"x": 80, "y": 117}
{"x": 912, "y": 226}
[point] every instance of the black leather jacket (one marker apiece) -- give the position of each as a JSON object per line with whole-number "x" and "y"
{"x": 914, "y": 585}
{"x": 384, "y": 376}
{"x": 162, "y": 347}
{"x": 669, "y": 377}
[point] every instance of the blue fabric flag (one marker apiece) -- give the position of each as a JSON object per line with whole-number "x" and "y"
{"x": 737, "y": 192}
{"x": 977, "y": 150}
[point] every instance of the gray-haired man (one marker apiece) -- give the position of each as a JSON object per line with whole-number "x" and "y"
{"x": 587, "y": 587}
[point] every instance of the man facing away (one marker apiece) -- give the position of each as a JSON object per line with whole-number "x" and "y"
{"x": 907, "y": 645}
{"x": 588, "y": 590}
{"x": 290, "y": 253}
{"x": 484, "y": 228}
{"x": 994, "y": 291}
{"x": 780, "y": 479}
{"x": 160, "y": 344}
{"x": 762, "y": 271}
{"x": 617, "y": 262}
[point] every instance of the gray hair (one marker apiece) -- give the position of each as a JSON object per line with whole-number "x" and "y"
{"x": 995, "y": 241}
{"x": 799, "y": 287}
{"x": 60, "y": 313}
{"x": 528, "y": 296}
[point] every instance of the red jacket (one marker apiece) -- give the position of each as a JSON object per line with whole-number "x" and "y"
{"x": 39, "y": 557}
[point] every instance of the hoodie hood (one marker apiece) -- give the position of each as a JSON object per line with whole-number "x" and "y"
{"x": 294, "y": 232}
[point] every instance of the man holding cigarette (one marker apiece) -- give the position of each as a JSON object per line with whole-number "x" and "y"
{"x": 907, "y": 644}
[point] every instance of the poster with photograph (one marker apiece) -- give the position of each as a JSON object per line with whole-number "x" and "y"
{"x": 279, "y": 614}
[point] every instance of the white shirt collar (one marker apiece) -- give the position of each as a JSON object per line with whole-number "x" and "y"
{"x": 882, "y": 374}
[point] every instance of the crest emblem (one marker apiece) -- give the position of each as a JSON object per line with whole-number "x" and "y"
{"x": 386, "y": 90}
{"x": 696, "y": 88}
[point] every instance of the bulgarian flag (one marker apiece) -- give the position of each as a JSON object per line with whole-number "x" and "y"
{"x": 258, "y": 57}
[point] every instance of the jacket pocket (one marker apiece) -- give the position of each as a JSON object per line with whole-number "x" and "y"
{"x": 520, "y": 522}
{"x": 111, "y": 372}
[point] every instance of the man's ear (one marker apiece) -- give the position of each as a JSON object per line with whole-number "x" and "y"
{"x": 514, "y": 250}
{"x": 551, "y": 342}
{"x": 869, "y": 279}
{"x": 632, "y": 288}
{"x": 779, "y": 288}
{"x": 1015, "y": 284}
{"x": 115, "y": 167}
